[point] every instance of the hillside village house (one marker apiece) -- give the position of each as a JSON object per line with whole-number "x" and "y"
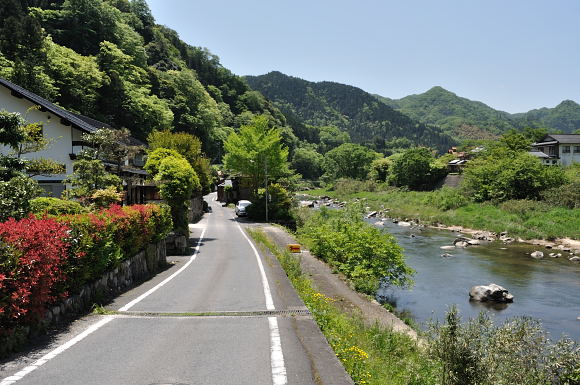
{"x": 65, "y": 130}
{"x": 558, "y": 149}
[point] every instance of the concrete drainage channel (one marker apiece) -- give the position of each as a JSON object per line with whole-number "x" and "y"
{"x": 303, "y": 312}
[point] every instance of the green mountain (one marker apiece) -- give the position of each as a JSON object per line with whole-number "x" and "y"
{"x": 367, "y": 120}
{"x": 109, "y": 60}
{"x": 468, "y": 119}
{"x": 564, "y": 117}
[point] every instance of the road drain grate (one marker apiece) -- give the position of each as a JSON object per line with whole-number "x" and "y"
{"x": 255, "y": 313}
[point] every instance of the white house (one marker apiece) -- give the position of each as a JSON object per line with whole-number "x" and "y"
{"x": 64, "y": 129}
{"x": 559, "y": 149}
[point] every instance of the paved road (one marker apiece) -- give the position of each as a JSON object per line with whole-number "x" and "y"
{"x": 224, "y": 315}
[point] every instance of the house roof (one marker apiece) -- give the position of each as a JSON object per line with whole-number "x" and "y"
{"x": 559, "y": 138}
{"x": 539, "y": 154}
{"x": 67, "y": 116}
{"x": 84, "y": 123}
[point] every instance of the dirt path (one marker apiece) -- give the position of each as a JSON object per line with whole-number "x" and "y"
{"x": 331, "y": 285}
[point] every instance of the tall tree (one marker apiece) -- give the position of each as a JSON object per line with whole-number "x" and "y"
{"x": 257, "y": 150}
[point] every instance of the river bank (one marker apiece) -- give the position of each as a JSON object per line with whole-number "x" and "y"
{"x": 525, "y": 221}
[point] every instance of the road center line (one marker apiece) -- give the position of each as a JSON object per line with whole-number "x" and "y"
{"x": 276, "y": 356}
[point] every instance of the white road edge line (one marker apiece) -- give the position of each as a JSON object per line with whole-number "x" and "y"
{"x": 162, "y": 283}
{"x": 265, "y": 285}
{"x": 18, "y": 376}
{"x": 276, "y": 356}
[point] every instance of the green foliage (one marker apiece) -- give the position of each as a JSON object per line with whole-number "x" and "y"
{"x": 371, "y": 354}
{"x": 567, "y": 195}
{"x": 187, "y": 146}
{"x": 363, "y": 253}
{"x": 155, "y": 157}
{"x": 348, "y": 160}
{"x": 380, "y": 169}
{"x": 11, "y": 133}
{"x": 279, "y": 204}
{"x": 104, "y": 198}
{"x": 177, "y": 181}
{"x": 331, "y": 137}
{"x": 89, "y": 175}
{"x": 505, "y": 176}
{"x": 352, "y": 186}
{"x": 416, "y": 169}
{"x": 255, "y": 150}
{"x": 15, "y": 196}
{"x": 55, "y": 206}
{"x": 366, "y": 120}
{"x": 307, "y": 162}
{"x": 516, "y": 352}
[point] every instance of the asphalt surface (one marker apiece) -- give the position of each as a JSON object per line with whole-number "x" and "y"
{"x": 214, "y": 317}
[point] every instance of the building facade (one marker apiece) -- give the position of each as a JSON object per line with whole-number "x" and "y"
{"x": 561, "y": 149}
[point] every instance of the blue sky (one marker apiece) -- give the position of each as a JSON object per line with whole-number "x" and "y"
{"x": 513, "y": 55}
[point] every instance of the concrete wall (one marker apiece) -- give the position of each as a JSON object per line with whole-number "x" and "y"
{"x": 567, "y": 158}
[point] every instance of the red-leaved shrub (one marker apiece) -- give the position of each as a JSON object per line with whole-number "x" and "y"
{"x": 32, "y": 253}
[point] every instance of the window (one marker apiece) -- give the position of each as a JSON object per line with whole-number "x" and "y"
{"x": 552, "y": 150}
{"x": 566, "y": 150}
{"x": 577, "y": 149}
{"x": 541, "y": 149}
{"x": 554, "y": 161}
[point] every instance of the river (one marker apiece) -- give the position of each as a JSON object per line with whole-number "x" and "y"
{"x": 547, "y": 289}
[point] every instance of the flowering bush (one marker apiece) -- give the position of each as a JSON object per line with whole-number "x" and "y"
{"x": 43, "y": 259}
{"x": 32, "y": 253}
{"x": 102, "y": 239}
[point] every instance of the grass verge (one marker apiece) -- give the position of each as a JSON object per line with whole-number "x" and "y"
{"x": 520, "y": 218}
{"x": 370, "y": 354}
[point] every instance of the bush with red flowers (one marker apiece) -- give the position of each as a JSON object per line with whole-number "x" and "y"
{"x": 44, "y": 259}
{"x": 32, "y": 255}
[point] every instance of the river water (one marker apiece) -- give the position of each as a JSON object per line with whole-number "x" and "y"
{"x": 547, "y": 289}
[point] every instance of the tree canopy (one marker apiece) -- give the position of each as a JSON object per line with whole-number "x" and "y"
{"x": 256, "y": 149}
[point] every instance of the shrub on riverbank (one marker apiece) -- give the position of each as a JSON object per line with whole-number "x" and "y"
{"x": 364, "y": 254}
{"x": 46, "y": 259}
{"x": 373, "y": 355}
{"x": 516, "y": 352}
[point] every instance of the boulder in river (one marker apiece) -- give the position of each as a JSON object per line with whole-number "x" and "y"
{"x": 372, "y": 214}
{"x": 461, "y": 244}
{"x": 537, "y": 255}
{"x": 490, "y": 293}
{"x": 446, "y": 255}
{"x": 447, "y": 247}
{"x": 484, "y": 236}
{"x": 575, "y": 259}
{"x": 404, "y": 224}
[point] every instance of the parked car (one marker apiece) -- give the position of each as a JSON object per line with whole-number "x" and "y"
{"x": 241, "y": 208}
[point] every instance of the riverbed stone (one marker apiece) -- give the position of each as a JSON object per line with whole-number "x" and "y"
{"x": 404, "y": 224}
{"x": 490, "y": 293}
{"x": 575, "y": 259}
{"x": 447, "y": 247}
{"x": 537, "y": 255}
{"x": 461, "y": 244}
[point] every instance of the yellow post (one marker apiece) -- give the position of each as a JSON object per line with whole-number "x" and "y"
{"x": 294, "y": 248}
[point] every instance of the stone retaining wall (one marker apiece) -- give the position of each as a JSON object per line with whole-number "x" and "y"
{"x": 128, "y": 274}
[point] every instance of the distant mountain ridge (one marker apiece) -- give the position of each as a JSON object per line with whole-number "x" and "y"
{"x": 366, "y": 119}
{"x": 465, "y": 118}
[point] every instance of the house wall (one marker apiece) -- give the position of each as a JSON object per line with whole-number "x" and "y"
{"x": 567, "y": 158}
{"x": 61, "y": 135}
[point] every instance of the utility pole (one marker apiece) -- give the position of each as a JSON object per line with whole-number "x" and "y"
{"x": 266, "y": 169}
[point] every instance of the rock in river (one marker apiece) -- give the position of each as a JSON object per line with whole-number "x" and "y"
{"x": 537, "y": 255}
{"x": 490, "y": 293}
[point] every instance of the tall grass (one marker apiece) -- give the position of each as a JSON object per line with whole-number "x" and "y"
{"x": 521, "y": 218}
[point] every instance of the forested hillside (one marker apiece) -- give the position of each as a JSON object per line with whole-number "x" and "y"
{"x": 109, "y": 60}
{"x": 468, "y": 119}
{"x": 351, "y": 109}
